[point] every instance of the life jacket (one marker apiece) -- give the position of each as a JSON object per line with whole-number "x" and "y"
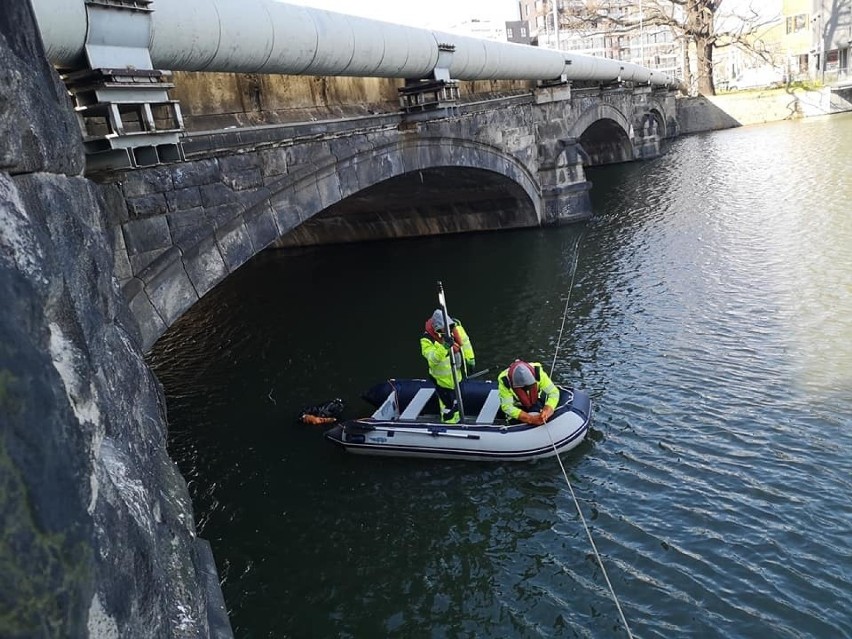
{"x": 529, "y": 398}
{"x": 433, "y": 334}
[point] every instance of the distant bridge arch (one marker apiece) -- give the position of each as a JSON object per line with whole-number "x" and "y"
{"x": 605, "y": 134}
{"x": 597, "y": 113}
{"x": 658, "y": 111}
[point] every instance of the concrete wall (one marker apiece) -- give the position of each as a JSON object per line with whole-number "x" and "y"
{"x": 220, "y": 100}
{"x": 711, "y": 113}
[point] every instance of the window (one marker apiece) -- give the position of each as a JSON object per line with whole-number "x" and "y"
{"x": 523, "y": 32}
{"x": 832, "y": 59}
{"x": 510, "y": 33}
{"x": 797, "y": 23}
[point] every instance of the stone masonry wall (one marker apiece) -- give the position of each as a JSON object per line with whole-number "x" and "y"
{"x": 179, "y": 230}
{"x": 98, "y": 532}
{"x": 218, "y": 100}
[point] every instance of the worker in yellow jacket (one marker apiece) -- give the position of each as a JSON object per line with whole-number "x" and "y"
{"x": 436, "y": 345}
{"x": 527, "y": 393}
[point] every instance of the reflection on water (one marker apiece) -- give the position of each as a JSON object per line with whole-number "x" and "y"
{"x": 709, "y": 316}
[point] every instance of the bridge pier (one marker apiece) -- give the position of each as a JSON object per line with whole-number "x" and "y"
{"x": 564, "y": 188}
{"x": 561, "y": 157}
{"x": 647, "y": 140}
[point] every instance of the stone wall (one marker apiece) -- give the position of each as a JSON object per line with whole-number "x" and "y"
{"x": 481, "y": 165}
{"x": 98, "y": 532}
{"x": 219, "y": 100}
{"x": 179, "y": 230}
{"x": 712, "y": 113}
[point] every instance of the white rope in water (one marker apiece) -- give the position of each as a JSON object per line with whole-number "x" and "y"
{"x": 559, "y": 459}
{"x": 591, "y": 541}
{"x": 565, "y": 312}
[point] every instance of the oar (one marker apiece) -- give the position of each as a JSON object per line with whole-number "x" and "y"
{"x": 478, "y": 373}
{"x": 443, "y": 302}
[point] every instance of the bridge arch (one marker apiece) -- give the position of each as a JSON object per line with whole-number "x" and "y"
{"x": 605, "y": 133}
{"x": 179, "y": 278}
{"x": 658, "y": 111}
{"x": 404, "y": 167}
{"x": 598, "y": 112}
{"x": 665, "y": 111}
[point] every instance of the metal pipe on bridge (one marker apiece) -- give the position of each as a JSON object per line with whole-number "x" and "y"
{"x": 266, "y": 36}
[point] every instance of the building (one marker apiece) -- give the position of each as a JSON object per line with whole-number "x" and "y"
{"x": 809, "y": 40}
{"x": 831, "y": 29}
{"x": 792, "y": 39}
{"x": 518, "y": 31}
{"x": 757, "y": 57}
{"x": 590, "y": 28}
{"x": 797, "y": 40}
{"x": 486, "y": 29}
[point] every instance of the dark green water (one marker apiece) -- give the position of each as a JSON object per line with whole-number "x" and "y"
{"x": 711, "y": 320}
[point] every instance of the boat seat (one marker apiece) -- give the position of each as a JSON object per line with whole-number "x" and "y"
{"x": 387, "y": 410}
{"x": 412, "y": 411}
{"x": 489, "y": 408}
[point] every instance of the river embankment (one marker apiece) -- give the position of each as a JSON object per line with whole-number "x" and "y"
{"x": 743, "y": 108}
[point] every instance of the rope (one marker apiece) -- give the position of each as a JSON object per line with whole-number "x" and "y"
{"x": 559, "y": 459}
{"x": 565, "y": 312}
{"x": 591, "y": 541}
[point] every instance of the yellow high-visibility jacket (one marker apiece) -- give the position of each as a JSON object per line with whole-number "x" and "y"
{"x": 437, "y": 355}
{"x": 509, "y": 402}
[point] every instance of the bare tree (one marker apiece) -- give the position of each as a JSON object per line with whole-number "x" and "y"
{"x": 702, "y": 25}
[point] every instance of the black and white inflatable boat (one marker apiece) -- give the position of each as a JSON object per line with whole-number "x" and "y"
{"x": 406, "y": 424}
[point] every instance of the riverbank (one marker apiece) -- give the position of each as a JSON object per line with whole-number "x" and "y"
{"x": 743, "y": 108}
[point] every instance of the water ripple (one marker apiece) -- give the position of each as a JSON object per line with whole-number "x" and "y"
{"x": 710, "y": 318}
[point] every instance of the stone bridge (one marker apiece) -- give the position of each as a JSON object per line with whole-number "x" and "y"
{"x": 180, "y": 229}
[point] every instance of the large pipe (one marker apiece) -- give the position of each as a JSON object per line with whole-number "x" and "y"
{"x": 266, "y": 36}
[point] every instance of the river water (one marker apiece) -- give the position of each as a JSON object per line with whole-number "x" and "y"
{"x": 707, "y": 309}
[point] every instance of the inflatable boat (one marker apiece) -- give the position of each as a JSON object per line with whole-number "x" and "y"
{"x": 406, "y": 424}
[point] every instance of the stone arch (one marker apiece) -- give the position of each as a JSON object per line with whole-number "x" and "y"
{"x": 656, "y": 110}
{"x": 605, "y": 134}
{"x": 650, "y": 128}
{"x": 651, "y": 112}
{"x": 648, "y": 123}
{"x": 179, "y": 278}
{"x": 298, "y": 211}
{"x": 600, "y": 112}
{"x": 664, "y": 111}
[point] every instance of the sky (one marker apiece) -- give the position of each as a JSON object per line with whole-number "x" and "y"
{"x": 432, "y": 14}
